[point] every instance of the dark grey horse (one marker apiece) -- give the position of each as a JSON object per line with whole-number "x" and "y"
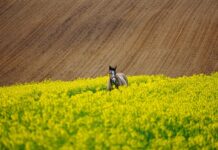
{"x": 117, "y": 79}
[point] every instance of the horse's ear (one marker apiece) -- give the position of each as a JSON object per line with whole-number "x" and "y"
{"x": 115, "y": 67}
{"x": 110, "y": 68}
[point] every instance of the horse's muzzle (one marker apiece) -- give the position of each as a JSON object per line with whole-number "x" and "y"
{"x": 113, "y": 80}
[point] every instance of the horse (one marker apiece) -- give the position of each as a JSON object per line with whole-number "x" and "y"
{"x": 117, "y": 79}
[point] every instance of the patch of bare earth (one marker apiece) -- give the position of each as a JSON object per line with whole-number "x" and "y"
{"x": 64, "y": 40}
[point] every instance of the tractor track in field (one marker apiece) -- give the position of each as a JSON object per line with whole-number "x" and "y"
{"x": 79, "y": 38}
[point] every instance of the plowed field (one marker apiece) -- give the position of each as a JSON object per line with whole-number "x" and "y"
{"x": 64, "y": 40}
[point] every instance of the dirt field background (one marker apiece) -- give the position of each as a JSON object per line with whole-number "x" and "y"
{"x": 64, "y": 40}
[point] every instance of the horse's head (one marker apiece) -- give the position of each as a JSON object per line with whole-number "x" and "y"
{"x": 112, "y": 73}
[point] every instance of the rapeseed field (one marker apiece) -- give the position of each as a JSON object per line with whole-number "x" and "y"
{"x": 153, "y": 112}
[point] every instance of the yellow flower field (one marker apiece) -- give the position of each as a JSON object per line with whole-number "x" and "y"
{"x": 153, "y": 112}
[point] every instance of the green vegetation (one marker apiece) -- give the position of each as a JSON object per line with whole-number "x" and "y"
{"x": 153, "y": 112}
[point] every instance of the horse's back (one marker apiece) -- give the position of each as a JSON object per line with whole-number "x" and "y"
{"x": 123, "y": 78}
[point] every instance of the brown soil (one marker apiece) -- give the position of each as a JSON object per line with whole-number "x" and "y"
{"x": 64, "y": 40}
